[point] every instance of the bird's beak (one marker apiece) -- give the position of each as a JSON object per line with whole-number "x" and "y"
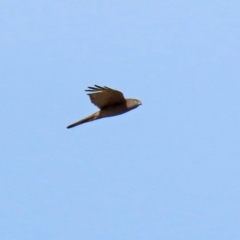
{"x": 139, "y": 103}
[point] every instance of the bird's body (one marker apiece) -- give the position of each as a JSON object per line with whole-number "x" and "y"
{"x": 111, "y": 103}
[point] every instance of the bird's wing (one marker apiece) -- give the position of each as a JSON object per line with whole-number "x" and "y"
{"x": 103, "y": 96}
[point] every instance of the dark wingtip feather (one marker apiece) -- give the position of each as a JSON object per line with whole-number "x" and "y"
{"x": 99, "y": 87}
{"x": 91, "y": 89}
{"x": 96, "y": 88}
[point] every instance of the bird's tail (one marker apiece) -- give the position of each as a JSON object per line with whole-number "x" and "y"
{"x": 84, "y": 120}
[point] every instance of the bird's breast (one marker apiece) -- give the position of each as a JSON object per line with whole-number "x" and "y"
{"x": 113, "y": 110}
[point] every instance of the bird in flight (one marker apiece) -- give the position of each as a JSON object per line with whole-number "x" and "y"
{"x": 110, "y": 102}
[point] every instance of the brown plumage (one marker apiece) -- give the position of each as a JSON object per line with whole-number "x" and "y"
{"x": 110, "y": 102}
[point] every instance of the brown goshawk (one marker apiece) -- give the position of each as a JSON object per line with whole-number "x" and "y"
{"x": 110, "y": 102}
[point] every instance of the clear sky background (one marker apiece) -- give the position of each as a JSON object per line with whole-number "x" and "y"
{"x": 167, "y": 170}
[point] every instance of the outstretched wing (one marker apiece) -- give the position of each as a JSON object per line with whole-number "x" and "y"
{"x": 103, "y": 96}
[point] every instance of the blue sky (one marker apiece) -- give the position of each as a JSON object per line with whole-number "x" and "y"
{"x": 167, "y": 170}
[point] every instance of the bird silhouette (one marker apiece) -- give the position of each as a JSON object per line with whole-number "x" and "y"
{"x": 111, "y": 103}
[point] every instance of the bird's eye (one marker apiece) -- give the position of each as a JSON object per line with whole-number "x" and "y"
{"x": 136, "y": 101}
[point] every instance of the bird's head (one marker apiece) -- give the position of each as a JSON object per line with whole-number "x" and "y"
{"x": 133, "y": 103}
